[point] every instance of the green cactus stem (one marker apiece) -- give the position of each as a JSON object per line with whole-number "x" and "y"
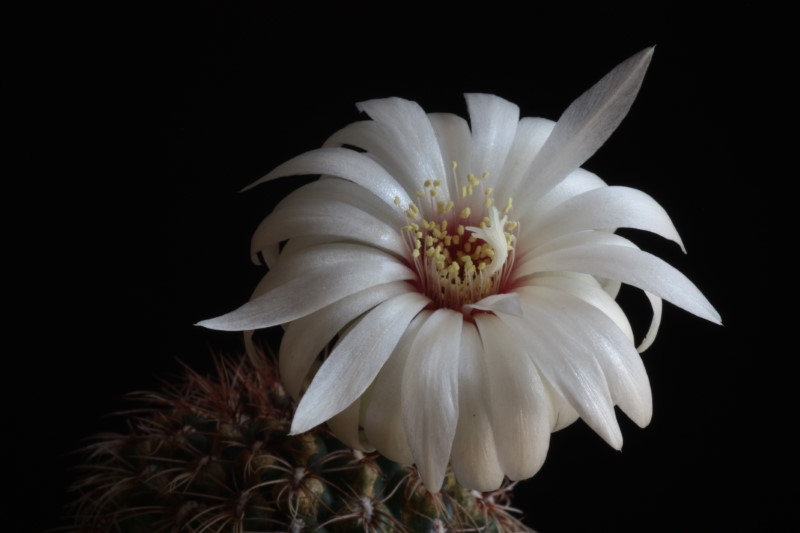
{"x": 213, "y": 454}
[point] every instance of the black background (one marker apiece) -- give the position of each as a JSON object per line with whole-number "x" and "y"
{"x": 160, "y": 117}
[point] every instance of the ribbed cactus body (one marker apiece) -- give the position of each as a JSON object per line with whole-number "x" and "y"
{"x": 213, "y": 454}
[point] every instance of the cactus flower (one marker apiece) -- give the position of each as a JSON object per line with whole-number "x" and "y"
{"x": 464, "y": 276}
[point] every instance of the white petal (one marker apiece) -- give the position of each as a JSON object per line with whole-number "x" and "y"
{"x": 299, "y": 245}
{"x": 346, "y": 164}
{"x": 345, "y": 427}
{"x": 331, "y": 189}
{"x": 310, "y": 280}
{"x": 577, "y": 182}
{"x": 254, "y": 352}
{"x": 329, "y": 218}
{"x": 632, "y": 266}
{"x": 291, "y": 248}
{"x": 588, "y": 289}
{"x": 573, "y": 372}
{"x": 356, "y": 360}
{"x": 270, "y": 254}
{"x": 522, "y": 261}
{"x": 585, "y": 125}
{"x": 566, "y": 415}
{"x": 656, "y": 304}
{"x": 414, "y": 140}
{"x": 587, "y": 333}
{"x": 520, "y": 408}
{"x": 383, "y": 416}
{"x": 611, "y": 286}
{"x": 430, "y": 395}
{"x": 455, "y": 141}
{"x": 529, "y": 139}
{"x": 342, "y": 190}
{"x": 474, "y": 455}
{"x": 380, "y": 146}
{"x": 603, "y": 208}
{"x": 493, "y": 122}
{"x": 305, "y": 338}
{"x": 505, "y": 303}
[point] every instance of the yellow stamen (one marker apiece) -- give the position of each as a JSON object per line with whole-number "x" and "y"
{"x": 457, "y": 263}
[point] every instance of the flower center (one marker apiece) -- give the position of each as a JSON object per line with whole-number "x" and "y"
{"x": 463, "y": 249}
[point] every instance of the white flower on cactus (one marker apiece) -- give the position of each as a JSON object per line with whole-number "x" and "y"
{"x": 467, "y": 328}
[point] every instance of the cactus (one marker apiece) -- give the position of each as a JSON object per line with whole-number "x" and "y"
{"x": 213, "y": 454}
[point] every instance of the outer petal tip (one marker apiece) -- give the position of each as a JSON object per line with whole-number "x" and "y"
{"x": 713, "y": 315}
{"x": 643, "y": 56}
{"x": 211, "y": 323}
{"x": 302, "y": 421}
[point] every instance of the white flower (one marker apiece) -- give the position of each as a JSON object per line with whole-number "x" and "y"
{"x": 466, "y": 329}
